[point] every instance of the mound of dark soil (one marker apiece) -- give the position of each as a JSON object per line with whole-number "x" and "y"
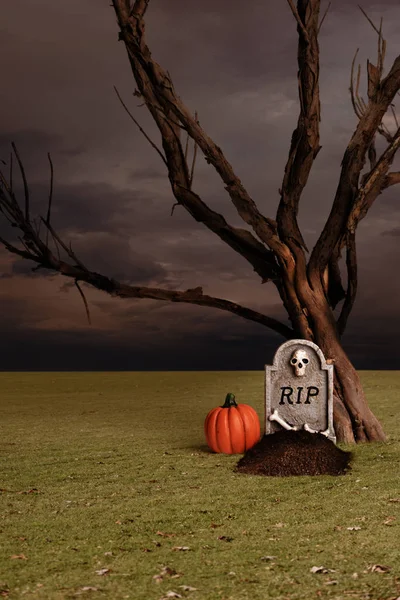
{"x": 294, "y": 453}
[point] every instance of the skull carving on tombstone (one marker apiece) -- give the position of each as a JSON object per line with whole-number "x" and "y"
{"x": 299, "y": 361}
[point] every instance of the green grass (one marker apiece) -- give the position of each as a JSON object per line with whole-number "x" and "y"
{"x": 94, "y": 465}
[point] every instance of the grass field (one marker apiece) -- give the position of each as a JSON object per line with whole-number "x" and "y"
{"x": 108, "y": 491}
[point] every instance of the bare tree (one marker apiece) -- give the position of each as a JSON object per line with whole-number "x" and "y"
{"x": 310, "y": 289}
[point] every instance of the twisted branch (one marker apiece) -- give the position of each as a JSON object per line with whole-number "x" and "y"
{"x": 157, "y": 90}
{"x": 36, "y": 250}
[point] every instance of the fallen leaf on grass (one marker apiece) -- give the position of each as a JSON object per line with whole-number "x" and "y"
{"x": 181, "y": 548}
{"x": 4, "y": 593}
{"x": 225, "y": 538}
{"x": 165, "y": 534}
{"x": 323, "y": 570}
{"x": 215, "y": 525}
{"x": 279, "y": 525}
{"x": 378, "y": 569}
{"x": 86, "y": 588}
{"x": 394, "y": 500}
{"x": 172, "y": 595}
{"x": 146, "y": 550}
{"x": 188, "y": 588}
{"x": 389, "y": 521}
{"x": 331, "y": 582}
{"x": 265, "y": 558}
{"x": 166, "y": 572}
{"x": 103, "y": 572}
{"x": 356, "y": 528}
{"x": 18, "y": 556}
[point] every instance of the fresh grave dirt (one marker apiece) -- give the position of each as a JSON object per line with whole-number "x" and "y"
{"x": 286, "y": 453}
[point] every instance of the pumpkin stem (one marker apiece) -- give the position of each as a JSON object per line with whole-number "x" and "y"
{"x": 229, "y": 401}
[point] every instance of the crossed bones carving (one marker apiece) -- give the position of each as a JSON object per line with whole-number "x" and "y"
{"x": 278, "y": 419}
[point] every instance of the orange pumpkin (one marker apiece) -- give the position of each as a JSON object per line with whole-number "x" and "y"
{"x": 232, "y": 428}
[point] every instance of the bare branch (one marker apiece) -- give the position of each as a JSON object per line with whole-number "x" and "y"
{"x": 374, "y": 77}
{"x": 196, "y": 296}
{"x": 323, "y": 17}
{"x": 193, "y": 163}
{"x": 36, "y": 250}
{"x": 26, "y": 188}
{"x": 373, "y": 185}
{"x": 300, "y": 23}
{"x": 69, "y": 250}
{"x": 11, "y": 171}
{"x": 194, "y": 158}
{"x": 352, "y": 164}
{"x": 187, "y": 145}
{"x": 305, "y": 139}
{"x": 22, "y": 253}
{"x": 139, "y": 7}
{"x": 241, "y": 240}
{"x": 392, "y": 179}
{"x": 369, "y": 20}
{"x": 157, "y": 89}
{"x": 50, "y": 197}
{"x": 394, "y": 115}
{"x": 139, "y": 127}
{"x": 173, "y": 207}
{"x": 384, "y": 132}
{"x": 114, "y": 288}
{"x": 84, "y": 301}
{"x": 357, "y": 101}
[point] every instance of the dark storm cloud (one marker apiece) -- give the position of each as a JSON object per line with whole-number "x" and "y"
{"x": 25, "y": 268}
{"x": 103, "y": 253}
{"x": 237, "y": 67}
{"x": 112, "y": 256}
{"x": 33, "y": 142}
{"x": 395, "y": 232}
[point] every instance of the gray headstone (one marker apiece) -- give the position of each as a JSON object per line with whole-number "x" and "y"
{"x": 299, "y": 389}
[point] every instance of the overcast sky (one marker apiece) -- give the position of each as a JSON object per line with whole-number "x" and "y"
{"x": 237, "y": 67}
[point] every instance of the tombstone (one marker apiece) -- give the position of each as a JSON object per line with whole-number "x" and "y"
{"x": 299, "y": 390}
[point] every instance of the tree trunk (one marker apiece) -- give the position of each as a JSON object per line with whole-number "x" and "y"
{"x": 353, "y": 419}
